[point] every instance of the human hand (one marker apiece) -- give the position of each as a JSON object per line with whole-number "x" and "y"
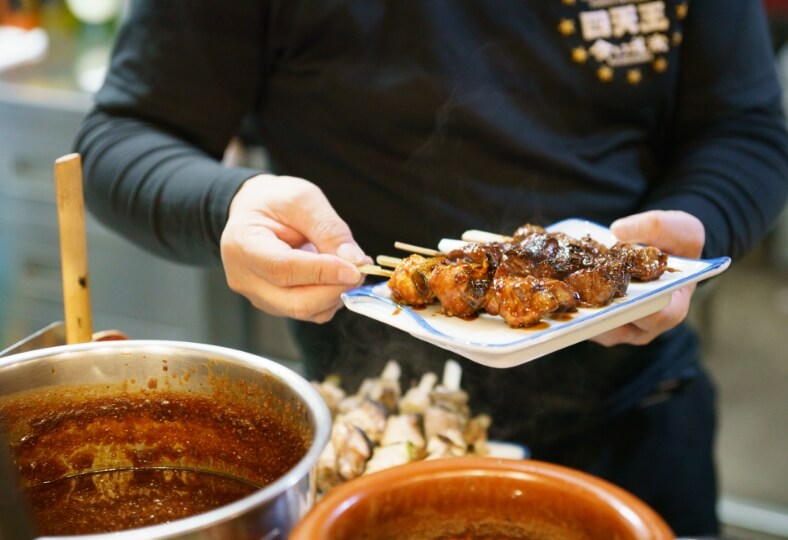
{"x": 286, "y": 250}
{"x": 676, "y": 233}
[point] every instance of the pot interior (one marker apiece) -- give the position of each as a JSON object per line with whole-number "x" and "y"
{"x": 107, "y": 439}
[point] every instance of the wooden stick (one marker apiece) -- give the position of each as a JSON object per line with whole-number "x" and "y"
{"x": 482, "y": 237}
{"x": 73, "y": 248}
{"x": 373, "y": 270}
{"x": 416, "y": 249}
{"x": 385, "y": 260}
{"x": 452, "y": 373}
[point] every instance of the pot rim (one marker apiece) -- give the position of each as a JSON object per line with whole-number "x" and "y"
{"x": 317, "y": 523}
{"x": 302, "y": 469}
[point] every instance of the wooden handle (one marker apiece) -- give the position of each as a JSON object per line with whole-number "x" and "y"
{"x": 73, "y": 248}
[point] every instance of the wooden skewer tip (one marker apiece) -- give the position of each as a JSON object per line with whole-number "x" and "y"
{"x": 68, "y": 158}
{"x": 385, "y": 260}
{"x": 474, "y": 235}
{"x": 416, "y": 249}
{"x": 374, "y": 270}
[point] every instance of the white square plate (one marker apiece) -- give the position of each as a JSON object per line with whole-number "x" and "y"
{"x": 488, "y": 340}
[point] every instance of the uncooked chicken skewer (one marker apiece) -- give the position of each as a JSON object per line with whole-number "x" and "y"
{"x": 378, "y": 427}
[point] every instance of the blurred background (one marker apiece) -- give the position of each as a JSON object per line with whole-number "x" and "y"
{"x": 53, "y": 56}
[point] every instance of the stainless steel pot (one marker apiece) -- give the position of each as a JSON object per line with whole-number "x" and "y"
{"x": 154, "y": 368}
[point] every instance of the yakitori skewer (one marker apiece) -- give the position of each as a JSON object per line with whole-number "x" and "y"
{"x": 521, "y": 277}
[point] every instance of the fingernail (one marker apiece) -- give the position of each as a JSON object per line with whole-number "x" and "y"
{"x": 351, "y": 253}
{"x": 349, "y": 276}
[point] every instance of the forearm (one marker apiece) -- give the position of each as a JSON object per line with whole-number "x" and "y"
{"x": 170, "y": 103}
{"x": 161, "y": 192}
{"x": 734, "y": 179}
{"x": 727, "y": 162}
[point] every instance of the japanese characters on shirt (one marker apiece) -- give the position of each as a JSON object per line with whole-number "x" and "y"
{"x": 622, "y": 40}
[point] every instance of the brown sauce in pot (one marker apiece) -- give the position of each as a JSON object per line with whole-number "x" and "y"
{"x": 109, "y": 501}
{"x": 87, "y": 457}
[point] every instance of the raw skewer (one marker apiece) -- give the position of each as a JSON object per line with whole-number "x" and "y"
{"x": 417, "y": 249}
{"x": 73, "y": 248}
{"x": 374, "y": 270}
{"x": 417, "y": 399}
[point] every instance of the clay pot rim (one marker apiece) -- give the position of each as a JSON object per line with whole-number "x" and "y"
{"x": 316, "y": 523}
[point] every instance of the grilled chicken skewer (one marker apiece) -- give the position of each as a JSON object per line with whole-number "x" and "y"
{"x": 524, "y": 277}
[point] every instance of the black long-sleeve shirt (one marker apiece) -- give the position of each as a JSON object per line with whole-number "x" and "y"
{"x": 441, "y": 116}
{"x": 420, "y": 119}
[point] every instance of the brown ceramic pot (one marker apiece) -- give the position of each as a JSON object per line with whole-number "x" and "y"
{"x": 480, "y": 498}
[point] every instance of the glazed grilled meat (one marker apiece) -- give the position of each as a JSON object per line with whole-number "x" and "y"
{"x": 644, "y": 263}
{"x": 524, "y": 231}
{"x": 410, "y": 283}
{"x": 461, "y": 287}
{"x": 526, "y": 300}
{"x": 556, "y": 255}
{"x": 601, "y": 283}
{"x": 525, "y": 279}
{"x": 523, "y": 299}
{"x": 480, "y": 253}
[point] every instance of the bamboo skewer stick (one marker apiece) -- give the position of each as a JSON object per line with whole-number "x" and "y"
{"x": 417, "y": 249}
{"x": 472, "y": 235}
{"x": 73, "y": 248}
{"x": 481, "y": 237}
{"x": 385, "y": 260}
{"x": 374, "y": 270}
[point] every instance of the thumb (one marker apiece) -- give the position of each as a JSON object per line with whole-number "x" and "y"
{"x": 674, "y": 231}
{"x": 637, "y": 228}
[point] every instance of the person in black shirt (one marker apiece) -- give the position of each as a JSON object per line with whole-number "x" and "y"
{"x": 417, "y": 120}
